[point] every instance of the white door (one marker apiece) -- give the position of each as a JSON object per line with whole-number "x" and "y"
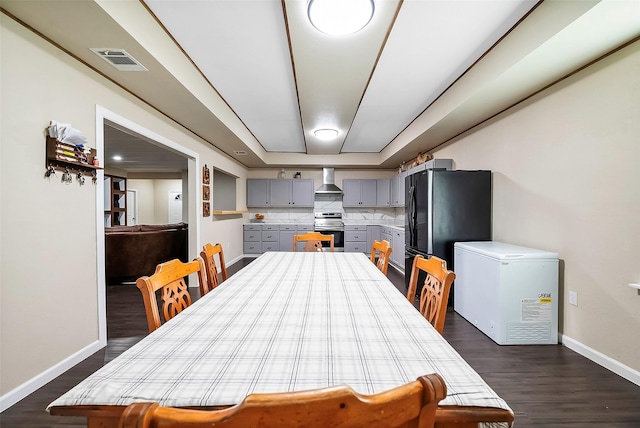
{"x": 175, "y": 207}
{"x": 132, "y": 207}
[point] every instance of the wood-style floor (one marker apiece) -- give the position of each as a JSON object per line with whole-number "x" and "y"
{"x": 546, "y": 386}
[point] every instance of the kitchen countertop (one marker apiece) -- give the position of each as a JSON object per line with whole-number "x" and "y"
{"x": 393, "y": 225}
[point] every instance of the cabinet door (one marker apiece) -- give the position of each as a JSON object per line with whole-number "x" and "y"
{"x": 351, "y": 193}
{"x": 397, "y": 190}
{"x": 373, "y": 234}
{"x": 397, "y": 255}
{"x": 280, "y": 193}
{"x": 286, "y": 240}
{"x": 302, "y": 193}
{"x": 369, "y": 193}
{"x": 258, "y": 192}
{"x": 383, "y": 192}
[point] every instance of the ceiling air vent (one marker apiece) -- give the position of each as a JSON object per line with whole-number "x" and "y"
{"x": 240, "y": 152}
{"x": 120, "y": 59}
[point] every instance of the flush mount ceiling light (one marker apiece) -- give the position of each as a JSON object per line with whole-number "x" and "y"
{"x": 340, "y": 17}
{"x": 325, "y": 134}
{"x": 117, "y": 158}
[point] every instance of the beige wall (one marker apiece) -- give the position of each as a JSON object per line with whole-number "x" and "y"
{"x": 567, "y": 179}
{"x": 50, "y": 313}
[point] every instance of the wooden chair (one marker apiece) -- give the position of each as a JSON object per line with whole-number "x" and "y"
{"x": 212, "y": 280}
{"x": 412, "y": 404}
{"x": 381, "y": 250}
{"x": 169, "y": 277}
{"x": 435, "y": 290}
{"x": 313, "y": 241}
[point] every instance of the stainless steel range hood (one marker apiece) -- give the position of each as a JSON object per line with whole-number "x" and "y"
{"x": 328, "y": 183}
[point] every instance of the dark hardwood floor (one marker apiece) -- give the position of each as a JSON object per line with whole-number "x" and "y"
{"x": 546, "y": 386}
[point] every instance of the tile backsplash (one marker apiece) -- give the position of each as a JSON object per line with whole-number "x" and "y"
{"x": 330, "y": 203}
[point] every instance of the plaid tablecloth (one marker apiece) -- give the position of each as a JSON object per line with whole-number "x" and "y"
{"x": 286, "y": 322}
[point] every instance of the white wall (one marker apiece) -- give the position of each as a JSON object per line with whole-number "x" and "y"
{"x": 153, "y": 205}
{"x": 49, "y": 314}
{"x": 567, "y": 179}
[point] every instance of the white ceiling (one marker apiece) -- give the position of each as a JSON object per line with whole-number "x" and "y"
{"x": 255, "y": 76}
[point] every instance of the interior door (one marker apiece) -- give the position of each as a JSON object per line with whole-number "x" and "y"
{"x": 175, "y": 207}
{"x": 132, "y": 207}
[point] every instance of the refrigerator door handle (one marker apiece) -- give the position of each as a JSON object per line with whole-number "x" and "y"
{"x": 412, "y": 216}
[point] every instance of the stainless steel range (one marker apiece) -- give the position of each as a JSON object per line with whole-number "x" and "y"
{"x": 331, "y": 223}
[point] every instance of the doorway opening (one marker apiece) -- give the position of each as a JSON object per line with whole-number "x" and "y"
{"x": 160, "y": 147}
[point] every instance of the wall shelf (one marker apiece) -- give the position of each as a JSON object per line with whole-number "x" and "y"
{"x": 64, "y": 156}
{"x": 227, "y": 212}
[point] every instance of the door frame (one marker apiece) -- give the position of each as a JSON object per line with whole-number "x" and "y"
{"x": 190, "y": 193}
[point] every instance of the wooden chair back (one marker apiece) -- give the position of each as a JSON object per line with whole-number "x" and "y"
{"x": 170, "y": 279}
{"x": 313, "y": 241}
{"x": 212, "y": 280}
{"x": 435, "y": 289}
{"x": 412, "y": 404}
{"x": 380, "y": 253}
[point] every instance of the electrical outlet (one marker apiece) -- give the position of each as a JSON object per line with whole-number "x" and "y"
{"x": 573, "y": 298}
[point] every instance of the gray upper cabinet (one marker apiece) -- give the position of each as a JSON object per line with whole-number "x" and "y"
{"x": 280, "y": 192}
{"x": 262, "y": 192}
{"x": 383, "y": 192}
{"x": 359, "y": 193}
{"x": 302, "y": 192}
{"x": 397, "y": 189}
{"x": 258, "y": 192}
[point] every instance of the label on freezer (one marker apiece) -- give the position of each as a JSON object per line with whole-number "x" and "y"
{"x": 536, "y": 309}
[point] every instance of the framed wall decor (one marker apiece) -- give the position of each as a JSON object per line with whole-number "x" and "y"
{"x": 206, "y": 175}
{"x": 206, "y": 192}
{"x": 206, "y": 209}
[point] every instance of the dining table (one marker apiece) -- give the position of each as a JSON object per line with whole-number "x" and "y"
{"x": 288, "y": 321}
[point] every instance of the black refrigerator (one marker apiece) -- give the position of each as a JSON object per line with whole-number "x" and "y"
{"x": 443, "y": 207}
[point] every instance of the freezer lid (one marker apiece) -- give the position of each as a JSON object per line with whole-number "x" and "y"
{"x": 503, "y": 251}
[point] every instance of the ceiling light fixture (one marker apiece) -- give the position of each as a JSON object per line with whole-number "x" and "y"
{"x": 340, "y": 17}
{"x": 325, "y": 134}
{"x": 117, "y": 158}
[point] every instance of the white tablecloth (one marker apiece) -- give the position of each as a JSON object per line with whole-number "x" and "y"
{"x": 286, "y": 322}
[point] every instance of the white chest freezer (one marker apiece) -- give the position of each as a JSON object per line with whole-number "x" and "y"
{"x": 510, "y": 293}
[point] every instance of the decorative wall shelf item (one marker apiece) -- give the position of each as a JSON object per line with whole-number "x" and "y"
{"x": 206, "y": 175}
{"x": 206, "y": 192}
{"x": 206, "y": 209}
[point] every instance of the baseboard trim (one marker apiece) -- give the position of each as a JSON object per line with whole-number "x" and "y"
{"x": 601, "y": 359}
{"x": 33, "y": 384}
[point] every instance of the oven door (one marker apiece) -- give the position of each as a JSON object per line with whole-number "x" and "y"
{"x": 338, "y": 236}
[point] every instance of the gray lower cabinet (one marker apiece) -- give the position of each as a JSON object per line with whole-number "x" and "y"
{"x": 286, "y": 236}
{"x": 374, "y": 233}
{"x": 260, "y": 238}
{"x": 270, "y": 237}
{"x": 252, "y": 238}
{"x": 397, "y": 255}
{"x": 355, "y": 238}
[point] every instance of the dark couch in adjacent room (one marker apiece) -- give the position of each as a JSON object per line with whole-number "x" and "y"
{"x": 135, "y": 251}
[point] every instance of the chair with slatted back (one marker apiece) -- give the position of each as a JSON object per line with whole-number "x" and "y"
{"x": 435, "y": 288}
{"x": 212, "y": 280}
{"x": 380, "y": 252}
{"x": 313, "y": 241}
{"x": 412, "y": 404}
{"x": 170, "y": 278}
